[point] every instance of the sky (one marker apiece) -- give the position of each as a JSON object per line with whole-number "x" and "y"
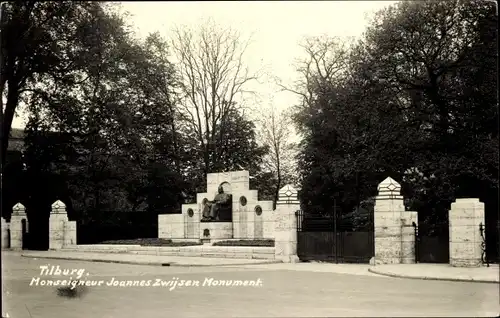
{"x": 276, "y": 29}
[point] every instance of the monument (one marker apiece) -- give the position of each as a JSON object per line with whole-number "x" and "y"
{"x": 234, "y": 213}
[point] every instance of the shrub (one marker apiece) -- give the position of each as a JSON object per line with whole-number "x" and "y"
{"x": 260, "y": 243}
{"x": 151, "y": 242}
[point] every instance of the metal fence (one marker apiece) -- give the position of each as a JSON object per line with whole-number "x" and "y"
{"x": 118, "y": 225}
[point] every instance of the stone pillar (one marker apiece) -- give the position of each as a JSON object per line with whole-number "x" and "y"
{"x": 408, "y": 237}
{"x": 389, "y": 209}
{"x": 16, "y": 226}
{"x": 465, "y": 238}
{"x": 5, "y": 234}
{"x": 285, "y": 225}
{"x": 62, "y": 232}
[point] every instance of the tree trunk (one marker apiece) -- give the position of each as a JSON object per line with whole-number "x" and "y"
{"x": 436, "y": 98}
{"x": 278, "y": 185}
{"x": 175, "y": 146}
{"x": 206, "y": 158}
{"x": 8, "y": 117}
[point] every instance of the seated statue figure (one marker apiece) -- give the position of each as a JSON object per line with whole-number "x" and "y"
{"x": 212, "y": 209}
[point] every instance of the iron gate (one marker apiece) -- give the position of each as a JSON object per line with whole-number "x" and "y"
{"x": 333, "y": 239}
{"x": 489, "y": 252}
{"x": 431, "y": 243}
{"x": 490, "y": 235}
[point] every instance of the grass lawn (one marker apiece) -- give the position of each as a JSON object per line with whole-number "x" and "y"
{"x": 151, "y": 242}
{"x": 260, "y": 243}
{"x": 168, "y": 242}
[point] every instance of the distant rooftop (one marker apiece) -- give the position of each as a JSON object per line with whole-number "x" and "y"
{"x": 17, "y": 133}
{"x": 16, "y": 139}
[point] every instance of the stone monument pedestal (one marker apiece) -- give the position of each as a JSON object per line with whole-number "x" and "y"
{"x": 216, "y": 230}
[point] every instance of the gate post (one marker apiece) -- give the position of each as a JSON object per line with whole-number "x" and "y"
{"x": 285, "y": 225}
{"x": 62, "y": 232}
{"x": 394, "y": 234}
{"x": 5, "y": 234}
{"x": 465, "y": 218}
{"x": 409, "y": 237}
{"x": 16, "y": 226}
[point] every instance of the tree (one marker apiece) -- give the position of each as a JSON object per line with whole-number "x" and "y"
{"x": 275, "y": 133}
{"x": 410, "y": 78}
{"x": 322, "y": 92}
{"x": 85, "y": 111}
{"x": 436, "y": 59}
{"x": 237, "y": 149}
{"x": 37, "y": 51}
{"x": 36, "y": 42}
{"x": 212, "y": 79}
{"x": 326, "y": 63}
{"x": 117, "y": 121}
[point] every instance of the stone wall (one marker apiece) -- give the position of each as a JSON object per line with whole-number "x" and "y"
{"x": 171, "y": 226}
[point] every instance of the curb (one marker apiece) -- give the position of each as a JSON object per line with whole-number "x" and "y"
{"x": 432, "y": 278}
{"x": 164, "y": 264}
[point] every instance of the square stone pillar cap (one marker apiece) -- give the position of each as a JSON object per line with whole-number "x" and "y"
{"x": 58, "y": 207}
{"x": 288, "y": 195}
{"x": 19, "y": 209}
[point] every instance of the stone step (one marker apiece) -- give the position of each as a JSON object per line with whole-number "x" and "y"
{"x": 243, "y": 252}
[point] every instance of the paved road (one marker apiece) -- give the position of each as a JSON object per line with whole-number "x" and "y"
{"x": 284, "y": 293}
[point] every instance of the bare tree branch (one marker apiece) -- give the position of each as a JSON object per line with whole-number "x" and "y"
{"x": 275, "y": 133}
{"x": 325, "y": 62}
{"x": 213, "y": 78}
